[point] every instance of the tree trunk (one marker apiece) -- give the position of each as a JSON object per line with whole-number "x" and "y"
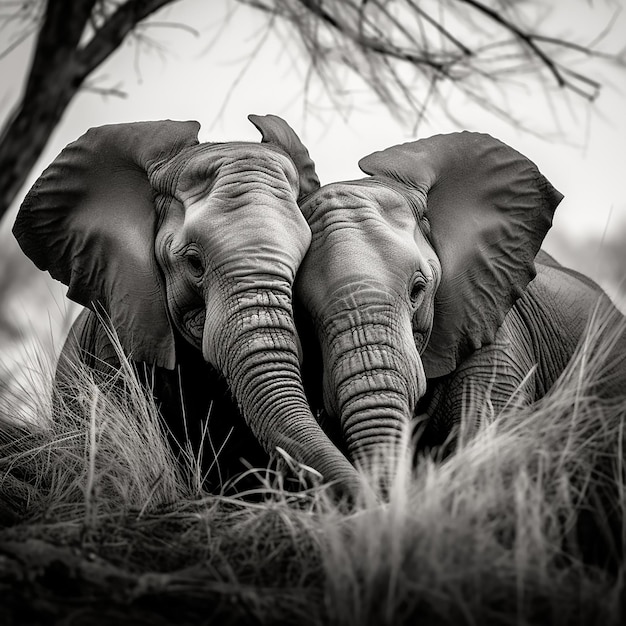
{"x": 59, "y": 67}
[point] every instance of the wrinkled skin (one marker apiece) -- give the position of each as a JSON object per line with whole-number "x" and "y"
{"x": 534, "y": 345}
{"x": 191, "y": 250}
{"x": 362, "y": 282}
{"x": 412, "y": 283}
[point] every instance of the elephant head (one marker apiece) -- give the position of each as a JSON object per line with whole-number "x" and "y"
{"x": 155, "y": 229}
{"x": 413, "y": 268}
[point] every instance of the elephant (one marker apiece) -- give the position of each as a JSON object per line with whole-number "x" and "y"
{"x": 427, "y": 289}
{"x": 190, "y": 250}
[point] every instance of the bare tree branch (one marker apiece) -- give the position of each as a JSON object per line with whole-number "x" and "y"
{"x": 452, "y": 45}
{"x": 23, "y": 36}
{"x": 111, "y": 34}
{"x": 528, "y": 40}
{"x": 59, "y": 68}
{"x": 411, "y": 53}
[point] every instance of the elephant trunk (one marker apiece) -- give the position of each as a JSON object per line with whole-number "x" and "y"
{"x": 261, "y": 366}
{"x": 375, "y": 382}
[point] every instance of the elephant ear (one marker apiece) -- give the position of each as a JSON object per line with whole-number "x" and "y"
{"x": 90, "y": 220}
{"x": 489, "y": 209}
{"x": 276, "y": 131}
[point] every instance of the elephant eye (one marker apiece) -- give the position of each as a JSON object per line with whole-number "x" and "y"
{"x": 417, "y": 291}
{"x": 195, "y": 262}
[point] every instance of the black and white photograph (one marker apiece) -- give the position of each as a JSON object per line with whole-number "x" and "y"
{"x": 313, "y": 312}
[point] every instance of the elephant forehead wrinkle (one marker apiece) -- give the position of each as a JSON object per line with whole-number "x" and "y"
{"x": 334, "y": 209}
{"x": 386, "y": 199}
{"x": 257, "y": 155}
{"x": 234, "y": 191}
{"x": 266, "y": 163}
{"x": 267, "y": 170}
{"x": 231, "y": 171}
{"x": 363, "y": 245}
{"x": 345, "y": 235}
{"x": 264, "y": 156}
{"x": 328, "y": 198}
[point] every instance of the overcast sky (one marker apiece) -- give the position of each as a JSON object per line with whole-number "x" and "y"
{"x": 186, "y": 80}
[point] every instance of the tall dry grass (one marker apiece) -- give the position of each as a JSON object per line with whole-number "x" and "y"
{"x": 523, "y": 524}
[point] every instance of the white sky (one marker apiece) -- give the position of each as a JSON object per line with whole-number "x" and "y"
{"x": 587, "y": 163}
{"x": 189, "y": 82}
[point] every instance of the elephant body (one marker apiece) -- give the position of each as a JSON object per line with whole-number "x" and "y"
{"x": 199, "y": 414}
{"x": 189, "y": 251}
{"x": 432, "y": 300}
{"x": 539, "y": 337}
{"x": 423, "y": 283}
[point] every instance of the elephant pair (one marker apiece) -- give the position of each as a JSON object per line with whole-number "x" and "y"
{"x": 416, "y": 280}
